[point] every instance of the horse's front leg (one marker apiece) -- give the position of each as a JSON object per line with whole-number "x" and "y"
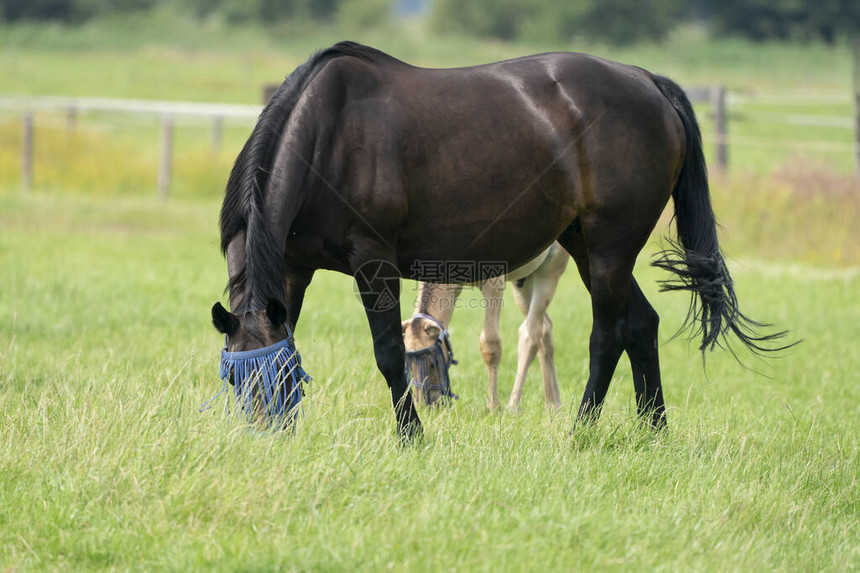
{"x": 379, "y": 284}
{"x": 296, "y": 282}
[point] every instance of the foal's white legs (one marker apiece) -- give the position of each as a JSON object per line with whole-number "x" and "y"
{"x": 533, "y": 298}
{"x": 491, "y": 341}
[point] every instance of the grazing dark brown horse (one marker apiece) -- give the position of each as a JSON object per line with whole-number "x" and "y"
{"x": 366, "y": 165}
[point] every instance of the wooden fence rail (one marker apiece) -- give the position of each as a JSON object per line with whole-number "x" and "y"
{"x": 169, "y": 112}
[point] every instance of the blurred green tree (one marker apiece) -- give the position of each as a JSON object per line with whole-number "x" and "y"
{"x": 74, "y": 11}
{"x": 67, "y": 10}
{"x": 14, "y": 10}
{"x": 613, "y": 21}
{"x": 826, "y": 20}
{"x": 501, "y": 19}
{"x": 265, "y": 11}
{"x": 356, "y": 15}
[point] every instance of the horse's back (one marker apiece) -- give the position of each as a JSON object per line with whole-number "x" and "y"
{"x": 567, "y": 86}
{"x": 576, "y": 112}
{"x": 457, "y": 160}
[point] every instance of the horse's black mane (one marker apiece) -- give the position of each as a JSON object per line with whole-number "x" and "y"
{"x": 261, "y": 277}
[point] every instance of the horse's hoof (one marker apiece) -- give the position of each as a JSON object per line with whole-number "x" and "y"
{"x": 411, "y": 433}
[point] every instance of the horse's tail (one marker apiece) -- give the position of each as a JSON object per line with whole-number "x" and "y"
{"x": 695, "y": 259}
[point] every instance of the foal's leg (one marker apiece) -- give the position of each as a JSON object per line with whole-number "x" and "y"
{"x": 491, "y": 341}
{"x": 527, "y": 344}
{"x": 546, "y": 356}
{"x": 547, "y": 277}
{"x": 380, "y": 293}
{"x": 535, "y": 338}
{"x": 533, "y": 298}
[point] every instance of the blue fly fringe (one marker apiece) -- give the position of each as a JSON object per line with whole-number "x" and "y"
{"x": 267, "y": 382}
{"x": 439, "y": 356}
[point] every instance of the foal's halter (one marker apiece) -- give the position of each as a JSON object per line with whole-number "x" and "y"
{"x": 266, "y": 381}
{"x": 438, "y": 356}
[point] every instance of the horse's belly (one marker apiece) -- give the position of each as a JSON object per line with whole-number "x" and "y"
{"x": 528, "y": 268}
{"x": 454, "y": 253}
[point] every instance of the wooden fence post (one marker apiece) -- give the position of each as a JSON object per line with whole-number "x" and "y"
{"x": 217, "y": 129}
{"x": 165, "y": 164}
{"x": 718, "y": 105}
{"x": 27, "y": 152}
{"x": 71, "y": 119}
{"x": 856, "y": 45}
{"x": 268, "y": 91}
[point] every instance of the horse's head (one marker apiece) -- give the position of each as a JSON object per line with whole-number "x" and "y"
{"x": 261, "y": 362}
{"x": 428, "y": 358}
{"x": 252, "y": 330}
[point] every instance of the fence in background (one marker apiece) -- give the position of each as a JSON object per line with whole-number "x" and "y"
{"x": 168, "y": 113}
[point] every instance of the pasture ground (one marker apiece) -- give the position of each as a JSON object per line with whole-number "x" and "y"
{"x": 106, "y": 354}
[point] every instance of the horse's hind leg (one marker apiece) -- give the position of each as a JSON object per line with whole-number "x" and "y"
{"x": 608, "y": 275}
{"x": 643, "y": 321}
{"x": 636, "y": 327}
{"x": 610, "y": 286}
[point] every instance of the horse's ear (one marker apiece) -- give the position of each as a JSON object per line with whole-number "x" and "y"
{"x": 276, "y": 312}
{"x": 224, "y": 320}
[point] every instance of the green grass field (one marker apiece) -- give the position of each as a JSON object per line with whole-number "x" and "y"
{"x": 107, "y": 353}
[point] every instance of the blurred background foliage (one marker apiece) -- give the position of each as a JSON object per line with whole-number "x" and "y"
{"x": 616, "y": 22}
{"x": 787, "y": 66}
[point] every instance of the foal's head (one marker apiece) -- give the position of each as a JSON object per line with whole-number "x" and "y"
{"x": 428, "y": 358}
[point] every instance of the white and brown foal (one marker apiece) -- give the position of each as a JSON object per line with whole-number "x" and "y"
{"x": 428, "y": 346}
